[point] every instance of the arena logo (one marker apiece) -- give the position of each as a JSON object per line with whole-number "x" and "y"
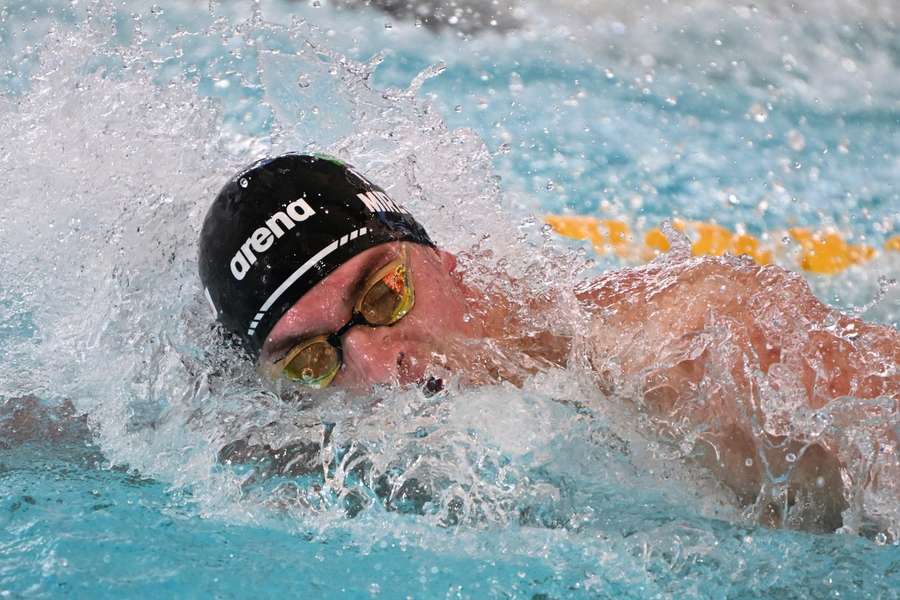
{"x": 263, "y": 238}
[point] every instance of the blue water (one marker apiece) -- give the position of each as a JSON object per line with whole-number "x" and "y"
{"x": 72, "y": 526}
{"x": 754, "y": 118}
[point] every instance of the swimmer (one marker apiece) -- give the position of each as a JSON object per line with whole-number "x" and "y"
{"x": 325, "y": 281}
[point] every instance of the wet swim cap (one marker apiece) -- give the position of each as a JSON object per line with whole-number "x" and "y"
{"x": 281, "y": 226}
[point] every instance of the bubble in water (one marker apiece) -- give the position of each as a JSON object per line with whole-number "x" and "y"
{"x": 790, "y": 457}
{"x": 304, "y": 81}
{"x": 457, "y": 108}
{"x": 243, "y": 182}
{"x": 388, "y": 26}
{"x": 881, "y": 538}
{"x": 748, "y": 462}
{"x": 504, "y": 148}
{"x": 316, "y": 3}
{"x": 550, "y": 185}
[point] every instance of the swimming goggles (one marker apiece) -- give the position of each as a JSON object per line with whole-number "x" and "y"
{"x": 386, "y": 298}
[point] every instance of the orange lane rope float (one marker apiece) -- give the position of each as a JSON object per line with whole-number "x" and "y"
{"x": 824, "y": 252}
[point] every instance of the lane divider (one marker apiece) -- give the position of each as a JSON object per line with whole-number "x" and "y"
{"x": 824, "y": 252}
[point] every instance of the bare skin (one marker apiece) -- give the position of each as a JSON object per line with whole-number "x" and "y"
{"x": 691, "y": 344}
{"x": 701, "y": 339}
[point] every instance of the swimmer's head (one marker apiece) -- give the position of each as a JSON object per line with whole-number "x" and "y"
{"x": 283, "y": 225}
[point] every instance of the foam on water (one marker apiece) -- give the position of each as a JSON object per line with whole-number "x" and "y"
{"x": 109, "y": 155}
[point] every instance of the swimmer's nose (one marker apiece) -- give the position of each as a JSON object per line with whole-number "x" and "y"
{"x": 378, "y": 355}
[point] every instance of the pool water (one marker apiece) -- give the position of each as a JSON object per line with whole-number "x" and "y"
{"x": 120, "y": 411}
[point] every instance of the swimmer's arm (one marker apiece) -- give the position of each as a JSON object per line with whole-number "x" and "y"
{"x": 653, "y": 325}
{"x": 26, "y": 419}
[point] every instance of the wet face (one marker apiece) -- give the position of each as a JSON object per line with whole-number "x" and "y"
{"x": 401, "y": 353}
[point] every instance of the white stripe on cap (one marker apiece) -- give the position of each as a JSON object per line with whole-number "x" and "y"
{"x": 212, "y": 304}
{"x": 298, "y": 274}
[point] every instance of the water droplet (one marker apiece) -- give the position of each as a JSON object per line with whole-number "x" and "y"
{"x": 848, "y": 65}
{"x": 515, "y": 83}
{"x": 733, "y": 200}
{"x": 759, "y": 113}
{"x": 795, "y": 140}
{"x": 243, "y": 182}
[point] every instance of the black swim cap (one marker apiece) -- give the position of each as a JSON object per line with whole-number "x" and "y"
{"x": 281, "y": 226}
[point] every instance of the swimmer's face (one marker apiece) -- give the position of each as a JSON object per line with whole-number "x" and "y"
{"x": 397, "y": 354}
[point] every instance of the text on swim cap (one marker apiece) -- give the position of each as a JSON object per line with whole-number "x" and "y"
{"x": 263, "y": 238}
{"x": 377, "y": 201}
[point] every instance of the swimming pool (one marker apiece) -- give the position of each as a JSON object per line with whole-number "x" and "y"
{"x": 120, "y": 121}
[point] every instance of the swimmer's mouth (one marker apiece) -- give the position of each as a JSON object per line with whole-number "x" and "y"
{"x": 407, "y": 367}
{"x": 431, "y": 386}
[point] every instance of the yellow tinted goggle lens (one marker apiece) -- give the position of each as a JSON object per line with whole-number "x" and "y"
{"x": 389, "y": 298}
{"x": 314, "y": 364}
